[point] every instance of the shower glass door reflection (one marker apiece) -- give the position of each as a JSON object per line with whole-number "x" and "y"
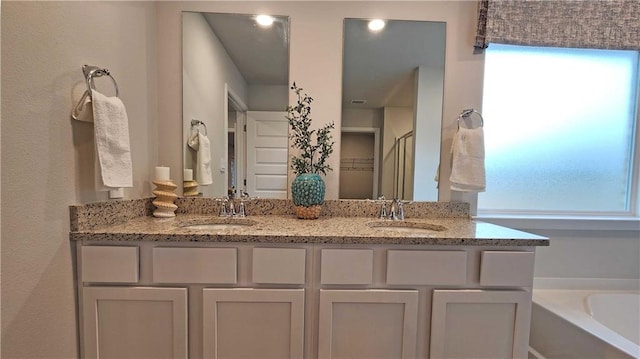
{"x": 403, "y": 169}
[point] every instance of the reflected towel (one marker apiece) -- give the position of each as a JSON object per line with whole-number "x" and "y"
{"x": 111, "y": 130}
{"x": 467, "y": 160}
{"x": 200, "y": 143}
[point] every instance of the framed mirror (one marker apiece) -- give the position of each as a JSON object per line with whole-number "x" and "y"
{"x": 392, "y": 93}
{"x": 235, "y": 92}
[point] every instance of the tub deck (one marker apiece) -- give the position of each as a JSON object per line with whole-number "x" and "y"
{"x": 561, "y": 326}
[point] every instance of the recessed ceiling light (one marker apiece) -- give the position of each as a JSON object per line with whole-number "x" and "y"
{"x": 376, "y": 25}
{"x": 264, "y": 20}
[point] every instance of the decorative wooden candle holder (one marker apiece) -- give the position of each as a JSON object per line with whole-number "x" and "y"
{"x": 190, "y": 188}
{"x": 164, "y": 199}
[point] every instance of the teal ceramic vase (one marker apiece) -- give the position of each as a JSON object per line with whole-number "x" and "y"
{"x": 307, "y": 192}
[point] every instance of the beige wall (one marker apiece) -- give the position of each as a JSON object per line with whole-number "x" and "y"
{"x": 316, "y": 61}
{"x": 47, "y": 158}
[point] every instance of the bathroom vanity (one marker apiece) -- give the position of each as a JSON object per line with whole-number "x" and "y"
{"x": 435, "y": 285}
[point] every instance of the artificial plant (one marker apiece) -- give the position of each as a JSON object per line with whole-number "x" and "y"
{"x": 313, "y": 156}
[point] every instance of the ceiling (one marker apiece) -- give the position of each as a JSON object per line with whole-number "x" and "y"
{"x": 261, "y": 54}
{"x": 377, "y": 67}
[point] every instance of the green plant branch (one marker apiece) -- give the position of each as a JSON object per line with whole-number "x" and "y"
{"x": 299, "y": 117}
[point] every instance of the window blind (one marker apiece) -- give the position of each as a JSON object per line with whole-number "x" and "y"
{"x": 596, "y": 24}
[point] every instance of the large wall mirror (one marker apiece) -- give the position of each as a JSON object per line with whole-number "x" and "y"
{"x": 392, "y": 92}
{"x": 235, "y": 91}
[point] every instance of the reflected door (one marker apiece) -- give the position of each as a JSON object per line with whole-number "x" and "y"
{"x": 267, "y": 145}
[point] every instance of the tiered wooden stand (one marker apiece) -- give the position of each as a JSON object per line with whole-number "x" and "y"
{"x": 164, "y": 199}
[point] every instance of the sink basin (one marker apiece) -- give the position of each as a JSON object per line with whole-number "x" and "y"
{"x": 215, "y": 226}
{"x": 407, "y": 227}
{"x": 219, "y": 225}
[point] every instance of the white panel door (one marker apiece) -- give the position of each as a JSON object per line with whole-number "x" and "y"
{"x": 134, "y": 322}
{"x": 267, "y": 154}
{"x": 480, "y": 324}
{"x": 253, "y": 323}
{"x": 367, "y": 324}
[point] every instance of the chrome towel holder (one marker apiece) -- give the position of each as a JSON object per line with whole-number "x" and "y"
{"x": 90, "y": 72}
{"x": 466, "y": 114}
{"x": 196, "y": 123}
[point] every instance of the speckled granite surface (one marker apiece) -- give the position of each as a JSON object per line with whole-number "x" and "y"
{"x": 343, "y": 222}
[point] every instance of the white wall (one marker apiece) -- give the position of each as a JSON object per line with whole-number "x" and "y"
{"x": 589, "y": 254}
{"x": 268, "y": 98}
{"x": 206, "y": 69}
{"x": 362, "y": 117}
{"x": 47, "y": 158}
{"x": 316, "y": 61}
{"x": 426, "y": 132}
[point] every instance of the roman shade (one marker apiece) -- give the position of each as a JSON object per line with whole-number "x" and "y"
{"x": 596, "y": 24}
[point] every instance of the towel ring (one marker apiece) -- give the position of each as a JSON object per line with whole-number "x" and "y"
{"x": 197, "y": 123}
{"x": 89, "y": 73}
{"x": 466, "y": 114}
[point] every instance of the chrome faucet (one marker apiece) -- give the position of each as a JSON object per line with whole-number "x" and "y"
{"x": 396, "y": 212}
{"x": 228, "y": 206}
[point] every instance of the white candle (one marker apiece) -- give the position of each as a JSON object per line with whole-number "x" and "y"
{"x": 188, "y": 174}
{"x": 162, "y": 173}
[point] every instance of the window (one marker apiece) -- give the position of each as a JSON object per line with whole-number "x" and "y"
{"x": 559, "y": 130}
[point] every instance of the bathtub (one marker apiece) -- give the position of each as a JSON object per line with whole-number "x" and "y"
{"x": 584, "y": 324}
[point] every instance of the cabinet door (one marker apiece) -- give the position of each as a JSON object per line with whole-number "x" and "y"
{"x": 480, "y": 324}
{"x": 367, "y": 323}
{"x": 131, "y": 322}
{"x": 253, "y": 323}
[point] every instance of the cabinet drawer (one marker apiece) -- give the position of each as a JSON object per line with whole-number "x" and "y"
{"x": 109, "y": 264}
{"x": 426, "y": 267}
{"x": 279, "y": 265}
{"x": 195, "y": 265}
{"x": 501, "y": 268}
{"x": 346, "y": 266}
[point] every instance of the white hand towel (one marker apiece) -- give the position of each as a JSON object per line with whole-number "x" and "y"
{"x": 200, "y": 143}
{"x": 467, "y": 156}
{"x": 111, "y": 128}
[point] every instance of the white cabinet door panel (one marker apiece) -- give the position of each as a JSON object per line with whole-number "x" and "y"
{"x": 253, "y": 323}
{"x": 134, "y": 322}
{"x": 367, "y": 324}
{"x": 480, "y": 324}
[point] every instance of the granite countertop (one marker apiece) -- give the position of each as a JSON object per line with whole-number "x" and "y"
{"x": 438, "y": 227}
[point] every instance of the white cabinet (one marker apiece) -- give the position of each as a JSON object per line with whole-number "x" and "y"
{"x": 134, "y": 322}
{"x": 253, "y": 323}
{"x": 195, "y": 265}
{"x": 243, "y": 300}
{"x": 346, "y": 266}
{"x": 480, "y": 324}
{"x": 109, "y": 264}
{"x": 367, "y": 323}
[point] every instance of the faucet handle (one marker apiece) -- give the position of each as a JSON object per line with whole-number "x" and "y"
{"x": 223, "y": 206}
{"x": 383, "y": 207}
{"x": 400, "y": 210}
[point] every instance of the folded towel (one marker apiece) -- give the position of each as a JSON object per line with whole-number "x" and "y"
{"x": 200, "y": 143}
{"x": 111, "y": 128}
{"x": 467, "y": 161}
